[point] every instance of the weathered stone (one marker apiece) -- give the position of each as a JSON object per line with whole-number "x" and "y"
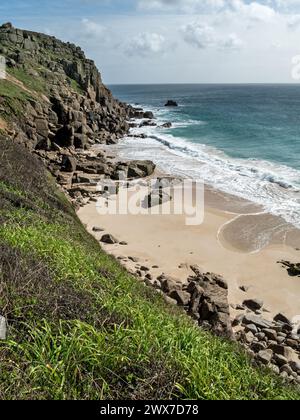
{"x": 171, "y": 103}
{"x": 68, "y": 164}
{"x": 271, "y": 334}
{"x": 169, "y": 284}
{"x": 286, "y": 368}
{"x": 98, "y": 229}
{"x": 258, "y": 346}
{"x": 244, "y": 288}
{"x": 252, "y": 328}
{"x": 281, "y": 318}
{"x": 265, "y": 356}
{"x": 256, "y": 320}
{"x": 181, "y": 297}
{"x": 109, "y": 239}
{"x": 280, "y": 360}
{"x": 295, "y": 366}
{"x": 156, "y": 198}
{"x": 170, "y": 300}
{"x": 253, "y": 304}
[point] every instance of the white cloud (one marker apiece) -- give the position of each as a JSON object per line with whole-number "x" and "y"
{"x": 293, "y": 22}
{"x": 204, "y": 36}
{"x": 146, "y": 44}
{"x": 252, "y": 11}
{"x": 199, "y": 35}
{"x": 182, "y": 5}
{"x": 91, "y": 29}
{"x": 232, "y": 42}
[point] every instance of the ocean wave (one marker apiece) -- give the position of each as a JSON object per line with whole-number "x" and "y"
{"x": 275, "y": 186}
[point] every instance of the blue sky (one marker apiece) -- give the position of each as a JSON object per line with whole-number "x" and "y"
{"x": 173, "y": 41}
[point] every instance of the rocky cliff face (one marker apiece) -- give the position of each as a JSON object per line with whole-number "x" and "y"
{"x": 53, "y": 95}
{"x": 53, "y": 101}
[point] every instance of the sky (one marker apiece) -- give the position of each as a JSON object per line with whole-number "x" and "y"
{"x": 174, "y": 41}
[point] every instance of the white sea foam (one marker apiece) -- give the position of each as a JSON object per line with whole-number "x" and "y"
{"x": 275, "y": 186}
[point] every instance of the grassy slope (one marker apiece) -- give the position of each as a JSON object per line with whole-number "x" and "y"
{"x": 81, "y": 327}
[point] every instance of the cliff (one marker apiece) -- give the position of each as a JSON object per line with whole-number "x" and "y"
{"x": 73, "y": 323}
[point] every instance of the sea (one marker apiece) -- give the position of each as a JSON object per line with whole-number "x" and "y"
{"x": 240, "y": 139}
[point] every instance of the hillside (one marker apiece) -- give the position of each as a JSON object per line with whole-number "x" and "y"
{"x": 74, "y": 324}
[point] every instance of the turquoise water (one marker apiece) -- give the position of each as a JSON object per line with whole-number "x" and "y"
{"x": 243, "y": 139}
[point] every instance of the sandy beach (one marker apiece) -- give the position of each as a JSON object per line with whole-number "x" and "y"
{"x": 235, "y": 240}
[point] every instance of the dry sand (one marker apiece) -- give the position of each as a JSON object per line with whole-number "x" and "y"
{"x": 235, "y": 240}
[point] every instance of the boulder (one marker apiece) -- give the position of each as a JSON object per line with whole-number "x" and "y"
{"x": 166, "y": 125}
{"x": 140, "y": 169}
{"x": 156, "y": 198}
{"x": 171, "y": 103}
{"x": 253, "y": 304}
{"x": 68, "y": 164}
{"x": 257, "y": 321}
{"x": 182, "y": 298}
{"x": 97, "y": 229}
{"x": 148, "y": 115}
{"x": 109, "y": 239}
{"x": 265, "y": 356}
{"x": 271, "y": 334}
{"x": 168, "y": 284}
{"x": 282, "y": 318}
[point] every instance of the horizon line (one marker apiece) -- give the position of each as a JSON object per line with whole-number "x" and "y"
{"x": 203, "y": 83}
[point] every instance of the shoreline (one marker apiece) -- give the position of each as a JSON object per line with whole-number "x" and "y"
{"x": 238, "y": 261}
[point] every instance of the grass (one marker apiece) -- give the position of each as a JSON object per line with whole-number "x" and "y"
{"x": 36, "y": 83}
{"x": 14, "y": 99}
{"x": 80, "y": 327}
{"x": 76, "y": 86}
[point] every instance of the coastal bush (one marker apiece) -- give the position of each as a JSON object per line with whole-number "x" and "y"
{"x": 81, "y": 327}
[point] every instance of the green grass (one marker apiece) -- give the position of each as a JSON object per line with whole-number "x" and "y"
{"x": 76, "y": 86}
{"x": 35, "y": 83}
{"x": 14, "y": 99}
{"x": 82, "y": 328}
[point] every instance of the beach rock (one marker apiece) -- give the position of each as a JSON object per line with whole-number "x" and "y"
{"x": 257, "y": 321}
{"x": 280, "y": 360}
{"x": 3, "y": 328}
{"x": 134, "y": 259}
{"x": 171, "y": 103}
{"x": 252, "y": 328}
{"x": 168, "y": 284}
{"x": 282, "y": 318}
{"x": 253, "y": 304}
{"x": 140, "y": 169}
{"x": 197, "y": 270}
{"x": 213, "y": 306}
{"x": 182, "y": 298}
{"x": 244, "y": 288}
{"x": 271, "y": 334}
{"x": 258, "y": 346}
{"x": 170, "y": 300}
{"x": 68, "y": 164}
{"x": 97, "y": 229}
{"x": 123, "y": 243}
{"x": 166, "y": 125}
{"x": 109, "y": 239}
{"x": 156, "y": 198}
{"x": 265, "y": 356}
{"x": 295, "y": 366}
{"x": 148, "y": 115}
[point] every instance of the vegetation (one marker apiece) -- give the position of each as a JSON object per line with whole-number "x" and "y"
{"x": 80, "y": 327}
{"x": 12, "y": 99}
{"x": 35, "y": 83}
{"x": 76, "y": 86}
